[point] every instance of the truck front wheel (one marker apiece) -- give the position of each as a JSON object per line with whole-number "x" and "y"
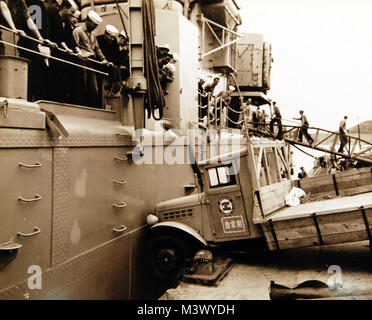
{"x": 166, "y": 257}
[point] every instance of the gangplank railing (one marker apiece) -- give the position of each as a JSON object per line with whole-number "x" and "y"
{"x": 355, "y": 148}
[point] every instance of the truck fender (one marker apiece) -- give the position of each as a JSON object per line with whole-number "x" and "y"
{"x": 180, "y": 226}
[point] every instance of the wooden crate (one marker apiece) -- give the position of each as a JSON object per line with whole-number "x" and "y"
{"x": 349, "y": 182}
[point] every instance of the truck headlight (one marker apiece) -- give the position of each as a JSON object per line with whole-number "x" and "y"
{"x": 151, "y": 219}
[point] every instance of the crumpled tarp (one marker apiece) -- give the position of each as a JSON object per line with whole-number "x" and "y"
{"x": 293, "y": 197}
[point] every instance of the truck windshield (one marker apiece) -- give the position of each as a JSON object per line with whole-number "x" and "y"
{"x": 221, "y": 176}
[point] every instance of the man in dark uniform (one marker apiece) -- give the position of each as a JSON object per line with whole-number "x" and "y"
{"x": 110, "y": 49}
{"x": 302, "y": 174}
{"x": 22, "y": 21}
{"x": 343, "y": 137}
{"x": 38, "y": 82}
{"x": 73, "y": 76}
{"x": 304, "y": 127}
{"x": 209, "y": 89}
{"x": 7, "y": 16}
{"x": 123, "y": 42}
{"x": 58, "y": 18}
{"x": 276, "y": 119}
{"x": 201, "y": 99}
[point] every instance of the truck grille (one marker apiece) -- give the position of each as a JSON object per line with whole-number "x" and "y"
{"x": 177, "y": 214}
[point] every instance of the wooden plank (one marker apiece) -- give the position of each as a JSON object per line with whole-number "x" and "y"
{"x": 317, "y": 180}
{"x": 353, "y": 172}
{"x": 267, "y": 168}
{"x": 342, "y": 227}
{"x": 325, "y": 229}
{"x": 346, "y": 237}
{"x": 296, "y": 233}
{"x": 340, "y": 216}
{"x": 314, "y": 183}
{"x": 326, "y": 189}
{"x": 276, "y": 155}
{"x": 273, "y": 196}
{"x": 335, "y": 228}
{"x": 314, "y": 241}
{"x": 369, "y": 215}
{"x": 276, "y": 186}
{"x": 299, "y": 243}
{"x": 325, "y": 207}
{"x": 252, "y": 166}
{"x": 362, "y": 181}
{"x": 356, "y": 176}
{"x": 355, "y": 190}
{"x": 258, "y": 162}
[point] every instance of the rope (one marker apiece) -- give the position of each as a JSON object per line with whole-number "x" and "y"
{"x": 303, "y": 151}
{"x": 121, "y": 17}
{"x": 228, "y": 107}
{"x": 155, "y": 97}
{"x": 236, "y": 84}
{"x": 238, "y": 122}
{"x": 54, "y": 58}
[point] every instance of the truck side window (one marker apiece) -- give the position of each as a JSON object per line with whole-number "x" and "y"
{"x": 213, "y": 179}
{"x": 220, "y": 176}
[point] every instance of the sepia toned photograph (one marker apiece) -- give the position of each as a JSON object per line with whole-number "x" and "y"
{"x": 205, "y": 152}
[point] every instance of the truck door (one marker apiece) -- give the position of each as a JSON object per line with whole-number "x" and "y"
{"x": 226, "y": 208}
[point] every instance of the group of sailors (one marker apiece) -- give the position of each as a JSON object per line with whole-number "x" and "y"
{"x": 250, "y": 115}
{"x": 76, "y": 54}
{"x": 210, "y": 104}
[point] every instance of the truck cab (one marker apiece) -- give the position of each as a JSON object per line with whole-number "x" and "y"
{"x": 225, "y": 205}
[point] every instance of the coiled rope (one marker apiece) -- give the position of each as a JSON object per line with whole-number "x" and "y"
{"x": 155, "y": 98}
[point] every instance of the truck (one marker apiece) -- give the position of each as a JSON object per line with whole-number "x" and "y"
{"x": 242, "y": 196}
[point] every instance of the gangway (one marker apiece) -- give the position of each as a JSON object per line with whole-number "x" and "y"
{"x": 324, "y": 140}
{"x": 355, "y": 148}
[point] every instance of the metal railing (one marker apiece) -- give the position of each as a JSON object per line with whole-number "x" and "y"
{"x": 324, "y": 140}
{"x": 53, "y": 45}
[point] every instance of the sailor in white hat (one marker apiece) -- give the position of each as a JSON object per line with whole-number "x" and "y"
{"x": 73, "y": 4}
{"x": 108, "y": 44}
{"x": 77, "y": 14}
{"x": 123, "y": 41}
{"x": 59, "y": 18}
{"x": 164, "y": 46}
{"x": 110, "y": 49}
{"x": 95, "y": 18}
{"x": 162, "y": 52}
{"x": 89, "y": 48}
{"x": 123, "y": 34}
{"x": 111, "y": 30}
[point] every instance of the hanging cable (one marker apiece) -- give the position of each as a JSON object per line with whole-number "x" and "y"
{"x": 121, "y": 17}
{"x": 236, "y": 84}
{"x": 310, "y": 155}
{"x": 155, "y": 97}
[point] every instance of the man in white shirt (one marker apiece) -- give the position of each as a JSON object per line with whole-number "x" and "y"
{"x": 343, "y": 138}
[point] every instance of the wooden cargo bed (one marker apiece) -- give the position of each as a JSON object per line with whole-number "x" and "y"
{"x": 338, "y": 220}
